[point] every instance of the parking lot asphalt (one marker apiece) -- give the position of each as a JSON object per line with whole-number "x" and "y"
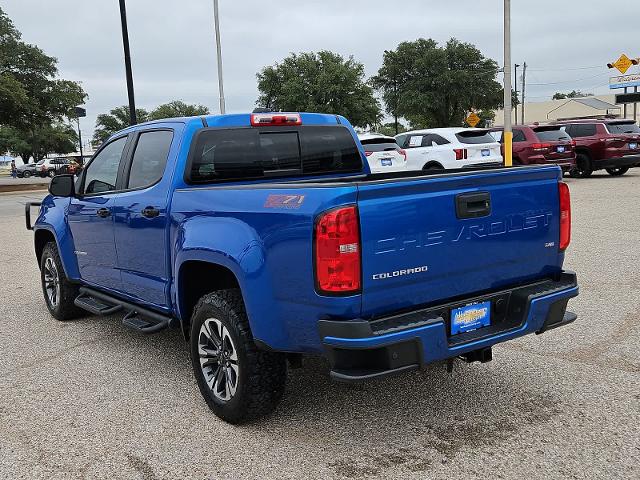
{"x": 91, "y": 399}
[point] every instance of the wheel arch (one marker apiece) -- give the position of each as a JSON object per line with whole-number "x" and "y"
{"x": 432, "y": 163}
{"x": 196, "y": 278}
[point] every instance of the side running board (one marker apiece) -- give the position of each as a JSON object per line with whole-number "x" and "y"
{"x": 137, "y": 318}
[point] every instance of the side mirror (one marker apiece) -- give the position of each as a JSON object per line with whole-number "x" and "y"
{"x": 62, "y": 186}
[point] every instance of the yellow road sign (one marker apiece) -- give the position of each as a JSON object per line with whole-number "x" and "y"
{"x": 623, "y": 64}
{"x": 473, "y": 120}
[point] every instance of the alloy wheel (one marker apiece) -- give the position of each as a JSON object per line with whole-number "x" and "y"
{"x": 218, "y": 359}
{"x": 51, "y": 282}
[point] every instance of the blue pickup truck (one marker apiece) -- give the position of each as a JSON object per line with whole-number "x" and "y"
{"x": 265, "y": 237}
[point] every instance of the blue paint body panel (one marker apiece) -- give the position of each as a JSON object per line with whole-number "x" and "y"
{"x": 246, "y": 227}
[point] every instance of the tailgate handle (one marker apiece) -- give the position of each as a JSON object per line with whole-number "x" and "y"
{"x": 473, "y": 205}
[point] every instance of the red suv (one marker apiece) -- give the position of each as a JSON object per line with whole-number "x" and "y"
{"x": 613, "y": 145}
{"x": 541, "y": 145}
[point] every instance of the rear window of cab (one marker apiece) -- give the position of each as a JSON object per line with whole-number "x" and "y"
{"x": 253, "y": 153}
{"x": 475, "y": 136}
{"x": 551, "y": 134}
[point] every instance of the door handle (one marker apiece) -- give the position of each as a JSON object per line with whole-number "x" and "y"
{"x": 150, "y": 212}
{"x": 103, "y": 213}
{"x": 473, "y": 205}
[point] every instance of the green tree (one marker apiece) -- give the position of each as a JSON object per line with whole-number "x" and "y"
{"x": 319, "y": 82}
{"x": 32, "y": 100}
{"x": 571, "y": 94}
{"x": 391, "y": 129}
{"x": 177, "y": 108}
{"x": 436, "y": 86}
{"x": 117, "y": 119}
{"x": 37, "y": 142}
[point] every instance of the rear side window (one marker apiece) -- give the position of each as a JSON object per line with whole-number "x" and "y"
{"x": 475, "y": 136}
{"x": 629, "y": 127}
{"x": 578, "y": 130}
{"x": 551, "y": 134}
{"x": 243, "y": 153}
{"x": 149, "y": 158}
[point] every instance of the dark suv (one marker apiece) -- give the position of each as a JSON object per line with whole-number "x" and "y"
{"x": 610, "y": 144}
{"x": 540, "y": 144}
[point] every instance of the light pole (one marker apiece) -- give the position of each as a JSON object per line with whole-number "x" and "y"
{"x": 80, "y": 112}
{"x": 216, "y": 18}
{"x": 515, "y": 84}
{"x": 508, "y": 132}
{"x": 127, "y": 64}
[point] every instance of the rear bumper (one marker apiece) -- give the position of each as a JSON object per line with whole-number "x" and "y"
{"x": 617, "y": 162}
{"x": 362, "y": 349}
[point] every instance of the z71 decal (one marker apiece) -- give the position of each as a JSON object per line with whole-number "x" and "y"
{"x": 284, "y": 201}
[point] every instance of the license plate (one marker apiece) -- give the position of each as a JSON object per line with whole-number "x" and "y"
{"x": 633, "y": 145}
{"x": 486, "y": 152}
{"x": 560, "y": 149}
{"x": 386, "y": 162}
{"x": 470, "y": 317}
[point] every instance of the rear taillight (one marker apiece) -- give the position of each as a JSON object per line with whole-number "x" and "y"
{"x": 368, "y": 154}
{"x": 565, "y": 215}
{"x": 539, "y": 147}
{"x": 461, "y": 153}
{"x": 275, "y": 119}
{"x": 337, "y": 251}
{"x": 573, "y": 143}
{"x": 403, "y": 153}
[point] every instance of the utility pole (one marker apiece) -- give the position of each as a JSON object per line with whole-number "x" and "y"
{"x": 508, "y": 132}
{"x": 127, "y": 64}
{"x": 515, "y": 88}
{"x": 524, "y": 85}
{"x": 216, "y": 19}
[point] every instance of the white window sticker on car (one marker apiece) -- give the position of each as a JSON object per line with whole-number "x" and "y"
{"x": 415, "y": 141}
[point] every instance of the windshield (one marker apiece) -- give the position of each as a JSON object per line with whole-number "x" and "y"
{"x": 551, "y": 134}
{"x": 623, "y": 128}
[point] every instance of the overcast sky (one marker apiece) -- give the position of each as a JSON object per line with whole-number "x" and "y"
{"x": 566, "y": 44}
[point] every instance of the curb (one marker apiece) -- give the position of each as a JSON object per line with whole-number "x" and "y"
{"x": 35, "y": 187}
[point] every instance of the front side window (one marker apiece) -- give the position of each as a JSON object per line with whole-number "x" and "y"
{"x": 101, "y": 174}
{"x": 582, "y": 130}
{"x": 149, "y": 158}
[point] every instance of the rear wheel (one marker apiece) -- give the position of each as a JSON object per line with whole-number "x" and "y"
{"x": 238, "y": 381}
{"x": 52, "y": 173}
{"x": 583, "y": 168}
{"x": 617, "y": 172}
{"x": 432, "y": 166}
{"x": 59, "y": 292}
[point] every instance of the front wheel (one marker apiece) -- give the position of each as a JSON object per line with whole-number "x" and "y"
{"x": 26, "y": 174}
{"x": 238, "y": 381}
{"x": 59, "y": 292}
{"x": 617, "y": 172}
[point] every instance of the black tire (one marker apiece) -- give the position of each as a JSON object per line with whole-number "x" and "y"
{"x": 51, "y": 173}
{"x": 260, "y": 376}
{"x": 617, "y": 172}
{"x": 26, "y": 174}
{"x": 63, "y": 307}
{"x": 583, "y": 168}
{"x": 432, "y": 167}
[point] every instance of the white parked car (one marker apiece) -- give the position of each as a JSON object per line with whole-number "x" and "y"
{"x": 383, "y": 153}
{"x": 438, "y": 148}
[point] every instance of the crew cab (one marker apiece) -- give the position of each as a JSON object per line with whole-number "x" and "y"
{"x": 606, "y": 143}
{"x": 540, "y": 144}
{"x": 264, "y": 237}
{"x": 449, "y": 148}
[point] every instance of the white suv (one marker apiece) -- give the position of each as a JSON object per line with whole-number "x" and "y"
{"x": 448, "y": 148}
{"x": 383, "y": 153}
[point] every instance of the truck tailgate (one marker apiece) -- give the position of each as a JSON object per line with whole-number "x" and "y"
{"x": 429, "y": 239}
